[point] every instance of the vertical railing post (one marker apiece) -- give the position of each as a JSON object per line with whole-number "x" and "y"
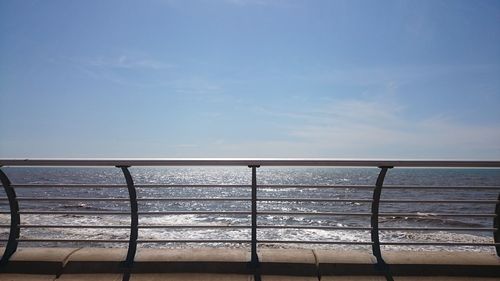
{"x": 496, "y": 225}
{"x": 254, "y": 261}
{"x": 15, "y": 219}
{"x": 134, "y": 223}
{"x": 377, "y": 192}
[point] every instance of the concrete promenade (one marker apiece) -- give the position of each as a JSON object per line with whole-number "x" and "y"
{"x": 104, "y": 264}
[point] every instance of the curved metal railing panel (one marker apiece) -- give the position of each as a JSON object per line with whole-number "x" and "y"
{"x": 15, "y": 219}
{"x": 252, "y": 213}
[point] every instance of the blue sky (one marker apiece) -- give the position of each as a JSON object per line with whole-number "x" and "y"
{"x": 250, "y": 78}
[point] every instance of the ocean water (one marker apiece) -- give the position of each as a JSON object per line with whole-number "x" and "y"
{"x": 427, "y": 213}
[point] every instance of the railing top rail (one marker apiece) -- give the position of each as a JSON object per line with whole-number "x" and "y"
{"x": 246, "y": 162}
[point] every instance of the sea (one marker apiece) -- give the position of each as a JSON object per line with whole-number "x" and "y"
{"x": 427, "y": 214}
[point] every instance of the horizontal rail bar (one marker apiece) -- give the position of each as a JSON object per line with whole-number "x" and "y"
{"x": 126, "y": 241}
{"x": 380, "y": 228}
{"x": 76, "y": 240}
{"x": 68, "y": 199}
{"x": 126, "y": 213}
{"x": 191, "y": 241}
{"x": 248, "y": 213}
{"x": 261, "y": 200}
{"x": 312, "y": 200}
{"x": 315, "y": 242}
{"x": 195, "y": 226}
{"x": 441, "y": 187}
{"x": 260, "y": 226}
{"x": 73, "y": 240}
{"x": 286, "y": 186}
{"x": 193, "y": 186}
{"x": 195, "y": 199}
{"x": 71, "y": 213}
{"x": 125, "y": 226}
{"x": 72, "y": 226}
{"x": 260, "y": 241}
{"x": 370, "y": 200}
{"x": 126, "y": 199}
{"x": 440, "y": 244}
{"x": 440, "y": 201}
{"x": 313, "y": 227}
{"x": 69, "y": 185}
{"x": 289, "y": 186}
{"x": 309, "y": 186}
{"x": 434, "y": 215}
{"x": 312, "y": 213}
{"x": 437, "y": 229}
{"x": 245, "y": 162}
{"x": 196, "y": 213}
{"x": 124, "y": 186}
{"x": 183, "y": 186}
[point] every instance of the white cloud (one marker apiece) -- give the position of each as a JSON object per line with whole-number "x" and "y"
{"x": 445, "y": 131}
{"x": 366, "y": 128}
{"x": 130, "y": 69}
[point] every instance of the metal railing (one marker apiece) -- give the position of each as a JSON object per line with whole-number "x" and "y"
{"x": 16, "y": 223}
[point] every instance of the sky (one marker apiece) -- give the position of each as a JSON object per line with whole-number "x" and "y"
{"x": 250, "y": 78}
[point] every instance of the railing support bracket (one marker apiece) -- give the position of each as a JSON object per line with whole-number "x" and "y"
{"x": 134, "y": 223}
{"x": 254, "y": 261}
{"x": 496, "y": 225}
{"x": 377, "y": 192}
{"x": 15, "y": 219}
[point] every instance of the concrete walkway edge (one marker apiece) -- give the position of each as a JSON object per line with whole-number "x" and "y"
{"x": 274, "y": 262}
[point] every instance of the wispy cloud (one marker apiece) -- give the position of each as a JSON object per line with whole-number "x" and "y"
{"x": 125, "y": 62}
{"x": 367, "y": 128}
{"x": 144, "y": 72}
{"x": 125, "y": 69}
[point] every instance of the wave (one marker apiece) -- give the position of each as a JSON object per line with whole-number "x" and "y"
{"x": 429, "y": 219}
{"x": 229, "y": 234}
{"x": 79, "y": 206}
